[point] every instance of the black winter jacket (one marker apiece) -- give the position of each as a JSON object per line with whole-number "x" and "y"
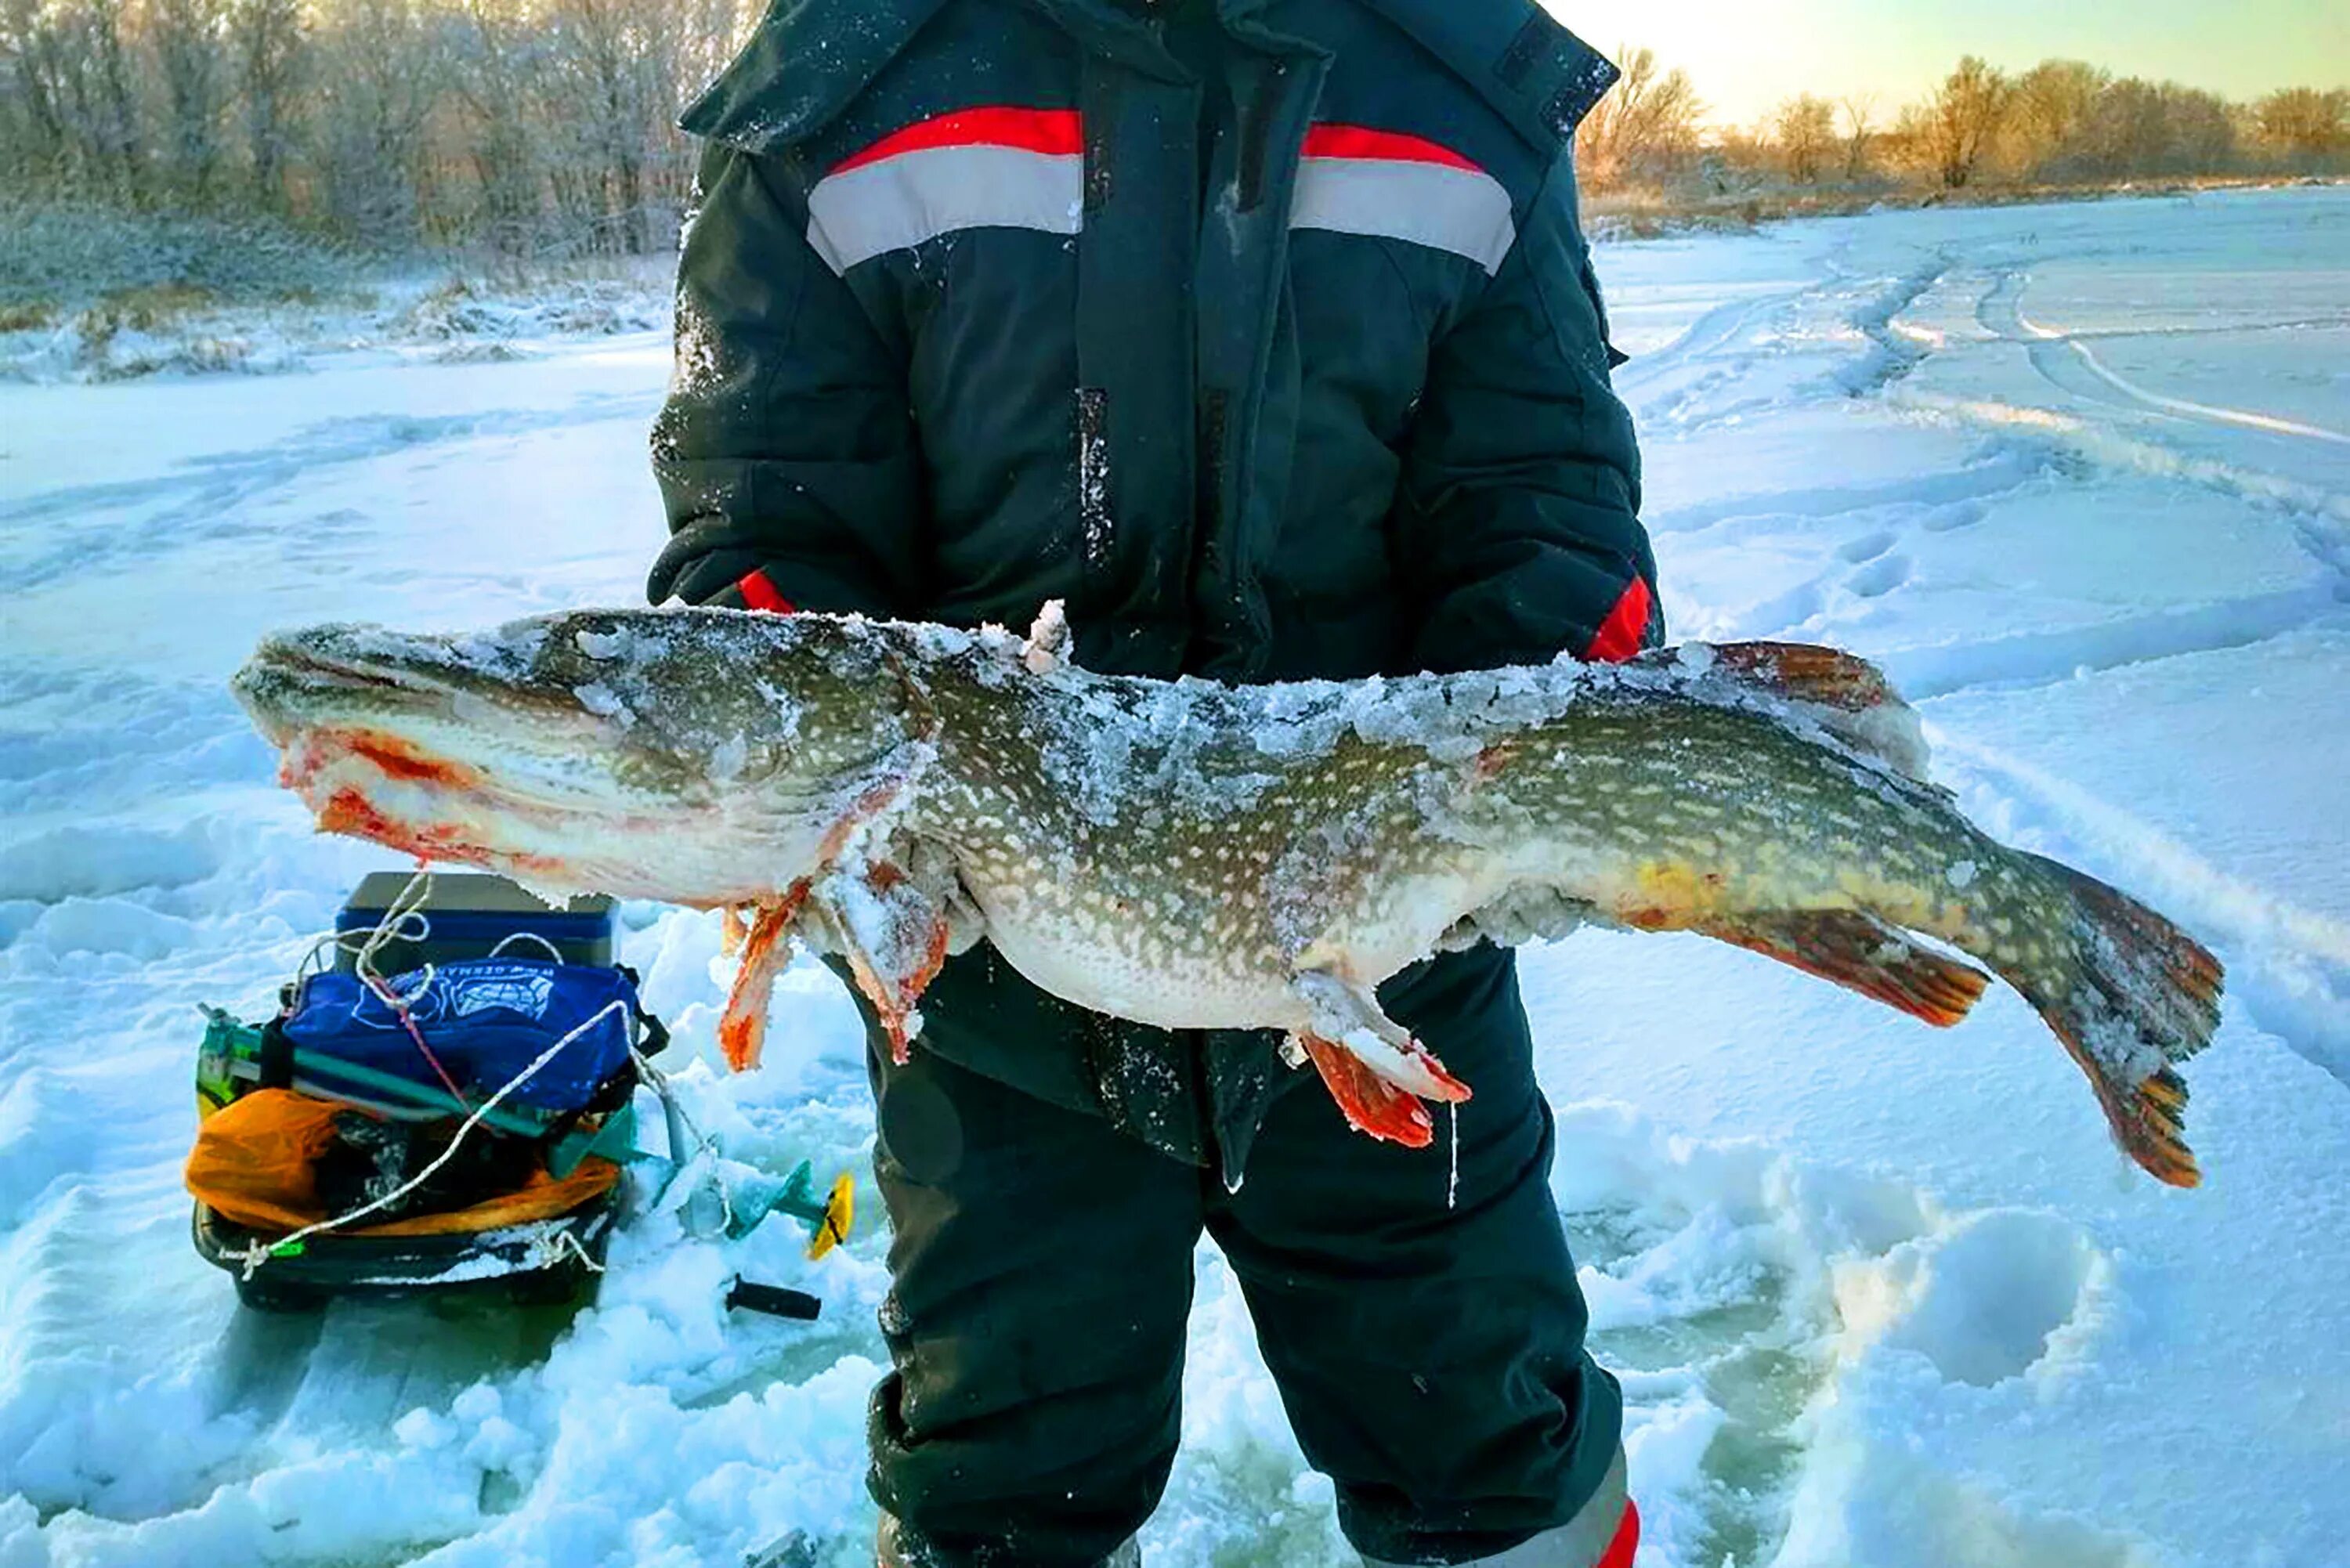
{"x": 1260, "y": 332}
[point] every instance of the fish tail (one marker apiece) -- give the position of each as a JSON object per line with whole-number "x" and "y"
{"x": 2142, "y": 997}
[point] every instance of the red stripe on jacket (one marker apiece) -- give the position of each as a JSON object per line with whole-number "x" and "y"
{"x": 1620, "y": 633}
{"x": 1054, "y": 131}
{"x": 1061, "y": 132}
{"x": 1390, "y": 146}
{"x": 759, "y": 594}
{"x": 1626, "y": 1544}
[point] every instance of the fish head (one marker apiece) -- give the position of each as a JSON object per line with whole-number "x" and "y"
{"x": 699, "y": 756}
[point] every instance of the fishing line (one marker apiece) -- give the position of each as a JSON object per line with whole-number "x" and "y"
{"x": 1453, "y": 1145}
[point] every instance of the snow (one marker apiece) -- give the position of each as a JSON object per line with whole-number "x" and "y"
{"x": 1881, "y": 1297}
{"x": 422, "y": 318}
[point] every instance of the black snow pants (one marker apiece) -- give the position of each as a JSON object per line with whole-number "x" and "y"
{"x": 1430, "y": 1353}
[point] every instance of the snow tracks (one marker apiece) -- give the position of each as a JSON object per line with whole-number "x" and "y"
{"x": 2077, "y": 477}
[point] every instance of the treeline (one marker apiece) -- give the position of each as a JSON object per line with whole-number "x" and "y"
{"x": 2062, "y": 122}
{"x": 528, "y": 127}
{"x": 544, "y": 128}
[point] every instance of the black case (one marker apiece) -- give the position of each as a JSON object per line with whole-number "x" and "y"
{"x": 470, "y": 912}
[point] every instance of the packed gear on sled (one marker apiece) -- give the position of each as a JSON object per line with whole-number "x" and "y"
{"x": 468, "y": 1120}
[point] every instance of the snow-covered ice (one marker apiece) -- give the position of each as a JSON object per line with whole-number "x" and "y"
{"x": 1881, "y": 1297}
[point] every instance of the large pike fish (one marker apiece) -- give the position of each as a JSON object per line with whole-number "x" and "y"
{"x": 1196, "y": 856}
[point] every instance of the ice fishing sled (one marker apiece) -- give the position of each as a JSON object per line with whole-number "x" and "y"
{"x": 450, "y": 1104}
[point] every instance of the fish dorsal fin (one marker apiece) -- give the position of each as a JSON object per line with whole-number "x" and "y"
{"x": 1848, "y": 695}
{"x": 1806, "y": 672}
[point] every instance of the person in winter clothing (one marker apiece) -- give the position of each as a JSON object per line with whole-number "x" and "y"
{"x": 1263, "y": 335}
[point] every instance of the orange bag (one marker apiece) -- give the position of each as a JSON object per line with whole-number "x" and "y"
{"x": 252, "y": 1165}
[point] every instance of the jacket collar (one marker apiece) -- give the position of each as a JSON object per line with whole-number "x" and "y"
{"x": 1126, "y": 30}
{"x": 771, "y": 96}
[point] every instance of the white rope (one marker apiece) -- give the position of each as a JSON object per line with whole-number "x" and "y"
{"x": 512, "y": 937}
{"x": 404, "y": 920}
{"x": 259, "y": 1252}
{"x": 408, "y": 903}
{"x": 567, "y": 1240}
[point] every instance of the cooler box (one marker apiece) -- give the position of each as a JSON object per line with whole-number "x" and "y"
{"x": 469, "y": 913}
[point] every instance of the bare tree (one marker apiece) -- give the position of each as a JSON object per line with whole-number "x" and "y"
{"x": 498, "y": 63}
{"x": 34, "y": 106}
{"x": 268, "y": 42}
{"x": 1645, "y": 128}
{"x": 88, "y": 79}
{"x": 612, "y": 56}
{"x": 188, "y": 37}
{"x": 383, "y": 66}
{"x": 1954, "y": 127}
{"x": 2304, "y": 124}
{"x": 1859, "y": 130}
{"x": 2140, "y": 128}
{"x": 1805, "y": 129}
{"x": 561, "y": 117}
{"x": 2053, "y": 102}
{"x": 2202, "y": 132}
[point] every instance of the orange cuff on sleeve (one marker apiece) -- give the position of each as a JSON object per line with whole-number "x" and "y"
{"x": 759, "y": 594}
{"x": 1620, "y": 633}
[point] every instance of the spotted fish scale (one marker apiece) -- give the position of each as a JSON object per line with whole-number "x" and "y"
{"x": 1195, "y": 856}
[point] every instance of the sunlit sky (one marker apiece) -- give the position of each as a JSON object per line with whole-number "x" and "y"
{"x": 1745, "y": 56}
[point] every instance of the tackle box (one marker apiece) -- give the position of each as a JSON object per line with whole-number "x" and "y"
{"x": 466, "y": 915}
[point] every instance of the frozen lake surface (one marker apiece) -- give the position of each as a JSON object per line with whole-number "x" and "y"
{"x": 1882, "y": 1297}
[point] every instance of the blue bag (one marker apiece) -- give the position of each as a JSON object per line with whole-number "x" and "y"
{"x": 485, "y": 1020}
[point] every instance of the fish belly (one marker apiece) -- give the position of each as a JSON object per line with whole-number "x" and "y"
{"x": 1146, "y": 977}
{"x": 1202, "y": 965}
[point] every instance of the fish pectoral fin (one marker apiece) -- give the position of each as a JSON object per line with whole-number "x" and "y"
{"x": 1862, "y": 953}
{"x": 765, "y": 947}
{"x": 894, "y": 936}
{"x": 1371, "y": 1104}
{"x": 1346, "y": 1016}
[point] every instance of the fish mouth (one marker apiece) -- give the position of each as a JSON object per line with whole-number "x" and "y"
{"x": 307, "y": 680}
{"x": 471, "y": 752}
{"x": 372, "y": 782}
{"x": 345, "y": 720}
{"x": 311, "y": 665}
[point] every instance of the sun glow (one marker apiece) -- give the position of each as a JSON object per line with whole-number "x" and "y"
{"x": 1746, "y": 58}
